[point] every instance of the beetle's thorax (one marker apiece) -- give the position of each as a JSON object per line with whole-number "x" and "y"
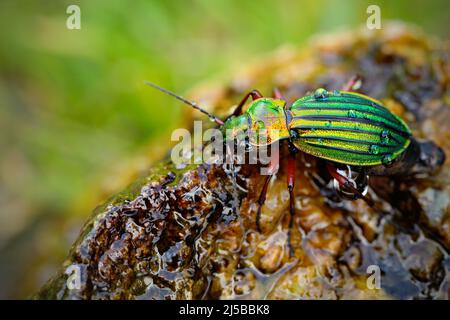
{"x": 263, "y": 123}
{"x": 267, "y": 120}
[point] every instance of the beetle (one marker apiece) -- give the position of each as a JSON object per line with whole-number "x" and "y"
{"x": 355, "y": 134}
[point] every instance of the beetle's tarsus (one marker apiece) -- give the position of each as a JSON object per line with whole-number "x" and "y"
{"x": 290, "y": 184}
{"x": 291, "y": 222}
{"x": 258, "y": 219}
{"x": 289, "y": 242}
{"x": 261, "y": 200}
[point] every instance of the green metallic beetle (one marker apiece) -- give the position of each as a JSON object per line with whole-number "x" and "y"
{"x": 355, "y": 134}
{"x": 340, "y": 126}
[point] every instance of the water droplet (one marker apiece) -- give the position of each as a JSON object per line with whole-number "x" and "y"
{"x": 387, "y": 159}
{"x": 320, "y": 93}
{"x": 336, "y": 93}
{"x": 385, "y": 136}
{"x": 328, "y": 123}
{"x": 352, "y": 113}
{"x": 374, "y": 149}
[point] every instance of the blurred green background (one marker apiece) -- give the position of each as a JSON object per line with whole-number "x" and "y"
{"x": 75, "y": 115}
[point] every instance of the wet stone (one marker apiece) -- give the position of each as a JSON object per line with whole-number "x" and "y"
{"x": 190, "y": 232}
{"x": 424, "y": 260}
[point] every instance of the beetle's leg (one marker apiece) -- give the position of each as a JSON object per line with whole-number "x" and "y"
{"x": 290, "y": 184}
{"x": 276, "y": 93}
{"x": 345, "y": 183}
{"x": 255, "y": 94}
{"x": 353, "y": 84}
{"x": 262, "y": 196}
{"x": 261, "y": 200}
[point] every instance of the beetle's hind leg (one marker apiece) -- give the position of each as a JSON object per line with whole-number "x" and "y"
{"x": 353, "y": 84}
{"x": 349, "y": 186}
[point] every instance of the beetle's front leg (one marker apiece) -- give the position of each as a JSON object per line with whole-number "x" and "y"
{"x": 261, "y": 200}
{"x": 262, "y": 196}
{"x": 290, "y": 184}
{"x": 255, "y": 94}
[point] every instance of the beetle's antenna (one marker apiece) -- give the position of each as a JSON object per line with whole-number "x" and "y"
{"x": 191, "y": 103}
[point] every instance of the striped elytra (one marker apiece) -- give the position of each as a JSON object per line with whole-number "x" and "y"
{"x": 347, "y": 127}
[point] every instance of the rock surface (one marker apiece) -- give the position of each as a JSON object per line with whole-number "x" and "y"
{"x": 189, "y": 233}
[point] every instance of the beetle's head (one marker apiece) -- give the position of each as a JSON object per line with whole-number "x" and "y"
{"x": 263, "y": 123}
